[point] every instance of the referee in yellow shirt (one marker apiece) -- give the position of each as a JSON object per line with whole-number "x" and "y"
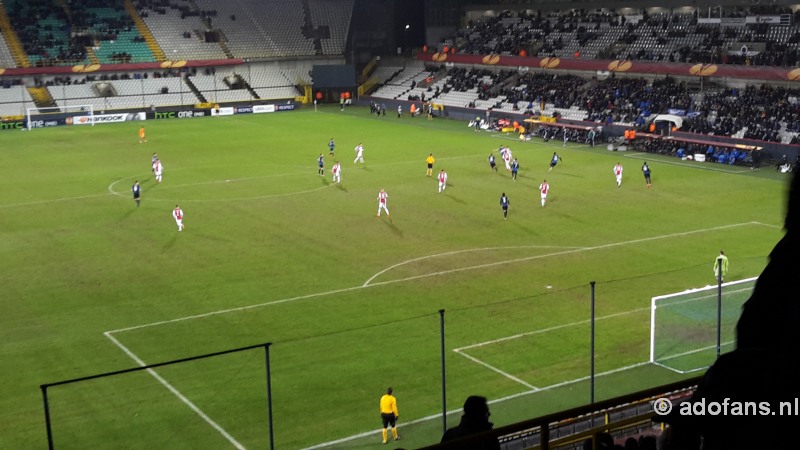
{"x": 389, "y": 414}
{"x": 429, "y": 160}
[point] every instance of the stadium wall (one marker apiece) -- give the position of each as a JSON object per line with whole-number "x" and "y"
{"x": 169, "y": 113}
{"x": 132, "y": 67}
{"x": 620, "y": 66}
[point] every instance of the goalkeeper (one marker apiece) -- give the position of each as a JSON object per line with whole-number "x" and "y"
{"x": 721, "y": 265}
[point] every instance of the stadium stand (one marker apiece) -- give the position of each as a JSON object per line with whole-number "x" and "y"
{"x": 6, "y": 59}
{"x": 659, "y": 36}
{"x": 121, "y": 91}
{"x": 256, "y": 29}
{"x": 333, "y": 17}
{"x": 179, "y": 29}
{"x": 93, "y": 31}
{"x": 761, "y": 113}
{"x": 113, "y": 34}
{"x": 14, "y": 99}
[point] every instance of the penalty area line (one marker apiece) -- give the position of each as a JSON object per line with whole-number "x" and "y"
{"x": 495, "y": 369}
{"x": 176, "y": 392}
{"x": 401, "y": 280}
{"x": 456, "y": 252}
{"x": 572, "y": 250}
{"x": 377, "y": 432}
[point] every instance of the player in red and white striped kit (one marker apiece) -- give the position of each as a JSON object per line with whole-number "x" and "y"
{"x": 158, "y": 170}
{"x": 382, "y": 197}
{"x": 618, "y": 173}
{"x": 177, "y": 213}
{"x": 544, "y": 188}
{"x": 507, "y": 158}
{"x": 442, "y": 181}
{"x": 359, "y": 153}
{"x": 337, "y": 172}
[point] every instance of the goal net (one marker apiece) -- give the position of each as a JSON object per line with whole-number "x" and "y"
{"x": 684, "y": 325}
{"x": 58, "y": 115}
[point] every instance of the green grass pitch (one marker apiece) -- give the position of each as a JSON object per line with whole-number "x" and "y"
{"x": 272, "y": 252}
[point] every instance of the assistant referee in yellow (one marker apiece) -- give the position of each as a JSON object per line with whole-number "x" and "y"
{"x": 389, "y": 414}
{"x": 429, "y": 161}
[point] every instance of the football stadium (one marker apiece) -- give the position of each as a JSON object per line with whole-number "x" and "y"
{"x": 243, "y": 224}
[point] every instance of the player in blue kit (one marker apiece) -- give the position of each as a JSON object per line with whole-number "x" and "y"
{"x": 554, "y": 160}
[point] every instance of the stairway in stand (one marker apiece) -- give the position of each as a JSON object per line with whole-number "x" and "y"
{"x": 41, "y": 96}
{"x": 222, "y": 38}
{"x": 12, "y": 40}
{"x": 145, "y": 31}
{"x": 92, "y": 55}
{"x": 193, "y": 88}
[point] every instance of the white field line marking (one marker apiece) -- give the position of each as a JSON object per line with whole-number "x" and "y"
{"x": 241, "y": 308}
{"x": 547, "y": 330}
{"x": 682, "y": 372}
{"x": 574, "y": 250}
{"x": 690, "y": 165}
{"x": 779, "y": 227}
{"x": 461, "y": 352}
{"x": 456, "y": 252}
{"x": 686, "y": 353}
{"x": 495, "y": 369}
{"x": 400, "y": 280}
{"x": 377, "y": 432}
{"x": 62, "y": 199}
{"x": 260, "y": 197}
{"x": 177, "y": 393}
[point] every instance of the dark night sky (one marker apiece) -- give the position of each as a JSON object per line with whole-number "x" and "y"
{"x": 410, "y": 12}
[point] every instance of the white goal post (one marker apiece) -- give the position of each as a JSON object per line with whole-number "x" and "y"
{"x": 58, "y": 115}
{"x": 684, "y": 327}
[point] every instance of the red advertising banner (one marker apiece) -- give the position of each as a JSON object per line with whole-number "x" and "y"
{"x": 132, "y": 67}
{"x": 621, "y": 66}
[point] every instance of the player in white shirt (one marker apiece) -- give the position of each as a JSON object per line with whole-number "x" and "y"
{"x": 177, "y": 213}
{"x": 544, "y": 188}
{"x": 442, "y": 177}
{"x": 618, "y": 173}
{"x": 359, "y": 153}
{"x": 337, "y": 172}
{"x": 158, "y": 170}
{"x": 382, "y": 197}
{"x": 507, "y": 158}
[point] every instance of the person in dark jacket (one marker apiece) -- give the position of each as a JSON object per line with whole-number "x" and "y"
{"x": 475, "y": 420}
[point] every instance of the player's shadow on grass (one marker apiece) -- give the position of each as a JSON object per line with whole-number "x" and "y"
{"x": 393, "y": 227}
{"x": 128, "y": 213}
{"x": 455, "y": 199}
{"x": 171, "y": 242}
{"x": 567, "y": 174}
{"x": 340, "y": 187}
{"x": 325, "y": 181}
{"x": 529, "y": 230}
